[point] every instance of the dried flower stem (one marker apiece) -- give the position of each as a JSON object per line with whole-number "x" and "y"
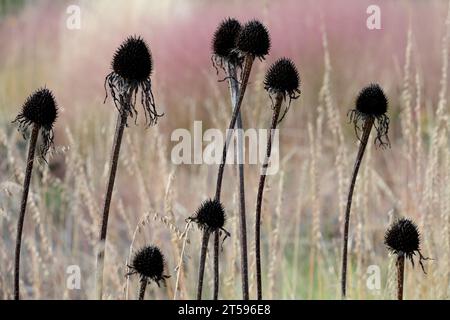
{"x": 201, "y": 269}
{"x": 367, "y": 127}
{"x": 216, "y": 265}
{"x": 248, "y": 62}
{"x": 400, "y": 275}
{"x": 234, "y": 90}
{"x": 23, "y": 206}
{"x": 120, "y": 126}
{"x": 262, "y": 179}
{"x": 142, "y": 289}
{"x": 245, "y": 76}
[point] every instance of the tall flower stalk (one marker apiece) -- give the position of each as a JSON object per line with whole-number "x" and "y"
{"x": 132, "y": 66}
{"x": 226, "y": 57}
{"x": 38, "y": 112}
{"x": 252, "y": 41}
{"x": 403, "y": 240}
{"x": 282, "y": 81}
{"x": 371, "y": 108}
{"x": 148, "y": 263}
{"x": 210, "y": 218}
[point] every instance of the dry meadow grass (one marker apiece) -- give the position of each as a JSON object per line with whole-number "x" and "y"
{"x": 304, "y": 203}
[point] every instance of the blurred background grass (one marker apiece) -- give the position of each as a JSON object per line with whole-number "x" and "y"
{"x": 336, "y": 55}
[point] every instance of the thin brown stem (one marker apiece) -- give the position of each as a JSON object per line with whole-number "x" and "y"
{"x": 245, "y": 76}
{"x": 216, "y": 264}
{"x": 367, "y": 127}
{"x": 400, "y": 275}
{"x": 142, "y": 288}
{"x": 262, "y": 179}
{"x": 234, "y": 90}
{"x": 248, "y": 62}
{"x": 201, "y": 269}
{"x": 120, "y": 126}
{"x": 23, "y": 207}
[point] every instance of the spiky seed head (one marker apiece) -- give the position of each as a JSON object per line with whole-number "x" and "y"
{"x": 403, "y": 237}
{"x": 225, "y": 36}
{"x": 211, "y": 215}
{"x": 148, "y": 262}
{"x": 254, "y": 39}
{"x": 40, "y": 108}
{"x": 133, "y": 60}
{"x": 372, "y": 101}
{"x": 282, "y": 77}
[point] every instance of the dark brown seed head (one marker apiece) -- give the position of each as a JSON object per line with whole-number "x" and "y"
{"x": 148, "y": 262}
{"x": 224, "y": 39}
{"x": 40, "y": 108}
{"x": 254, "y": 39}
{"x": 282, "y": 77}
{"x": 403, "y": 237}
{"x": 372, "y": 101}
{"x": 133, "y": 60}
{"x": 210, "y": 216}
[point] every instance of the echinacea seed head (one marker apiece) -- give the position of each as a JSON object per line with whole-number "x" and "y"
{"x": 148, "y": 262}
{"x": 372, "y": 101}
{"x": 282, "y": 77}
{"x": 211, "y": 215}
{"x": 254, "y": 39}
{"x": 224, "y": 39}
{"x": 403, "y": 237}
{"x": 40, "y": 108}
{"x": 133, "y": 60}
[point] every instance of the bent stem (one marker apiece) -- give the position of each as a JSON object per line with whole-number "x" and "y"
{"x": 367, "y": 127}
{"x": 120, "y": 126}
{"x": 248, "y": 62}
{"x": 400, "y": 275}
{"x": 23, "y": 206}
{"x": 262, "y": 179}
{"x": 234, "y": 90}
{"x": 201, "y": 269}
{"x": 142, "y": 289}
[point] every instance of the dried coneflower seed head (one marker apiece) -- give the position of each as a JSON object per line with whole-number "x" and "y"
{"x": 254, "y": 39}
{"x": 403, "y": 238}
{"x": 133, "y": 60}
{"x": 283, "y": 77}
{"x": 148, "y": 262}
{"x": 210, "y": 216}
{"x": 372, "y": 101}
{"x": 41, "y": 109}
{"x": 132, "y": 66}
{"x": 224, "y": 39}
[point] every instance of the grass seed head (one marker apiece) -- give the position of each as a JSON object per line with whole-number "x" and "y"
{"x": 254, "y": 39}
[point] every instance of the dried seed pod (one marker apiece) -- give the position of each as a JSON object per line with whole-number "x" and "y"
{"x": 210, "y": 216}
{"x": 372, "y": 103}
{"x": 148, "y": 263}
{"x": 40, "y": 109}
{"x": 254, "y": 39}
